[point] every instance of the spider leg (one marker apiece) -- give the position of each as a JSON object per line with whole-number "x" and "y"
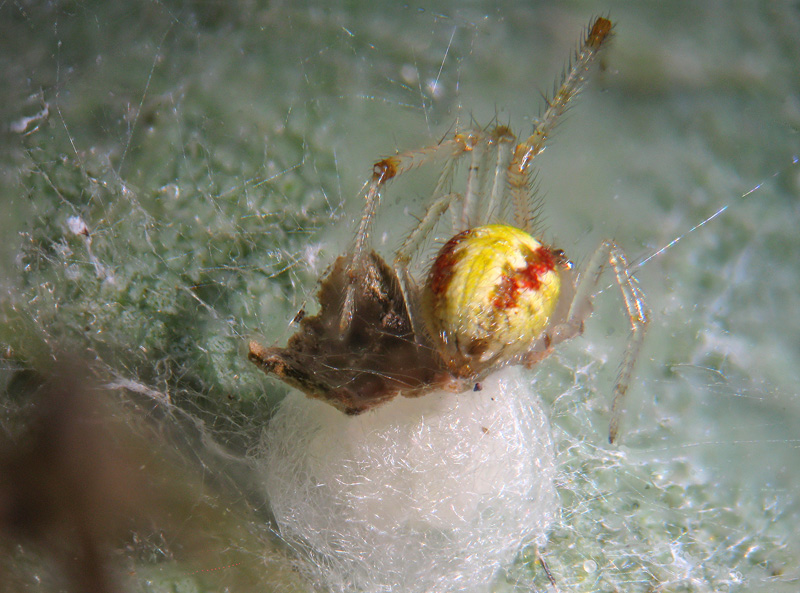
{"x": 472, "y": 192}
{"x": 382, "y": 172}
{"x": 442, "y": 198}
{"x": 638, "y": 315}
{"x": 572, "y": 81}
{"x": 440, "y": 201}
{"x": 503, "y": 140}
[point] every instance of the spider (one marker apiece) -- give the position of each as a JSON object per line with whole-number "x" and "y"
{"x": 494, "y": 295}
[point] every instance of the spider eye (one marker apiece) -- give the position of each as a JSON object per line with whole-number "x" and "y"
{"x": 489, "y": 294}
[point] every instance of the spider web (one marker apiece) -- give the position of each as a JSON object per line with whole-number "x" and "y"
{"x": 176, "y": 177}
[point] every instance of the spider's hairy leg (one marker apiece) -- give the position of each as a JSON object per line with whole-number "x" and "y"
{"x": 520, "y": 190}
{"x": 572, "y": 81}
{"x": 382, "y": 172}
{"x": 638, "y": 315}
{"x": 475, "y": 176}
{"x": 503, "y": 139}
{"x": 441, "y": 201}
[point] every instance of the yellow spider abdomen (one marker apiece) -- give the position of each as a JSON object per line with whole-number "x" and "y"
{"x": 489, "y": 294}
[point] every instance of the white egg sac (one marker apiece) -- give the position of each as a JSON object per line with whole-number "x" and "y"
{"x": 430, "y": 494}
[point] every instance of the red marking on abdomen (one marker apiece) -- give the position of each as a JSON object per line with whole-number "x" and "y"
{"x": 538, "y": 262}
{"x": 442, "y": 268}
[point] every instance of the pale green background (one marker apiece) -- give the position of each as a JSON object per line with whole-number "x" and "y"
{"x": 207, "y": 145}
